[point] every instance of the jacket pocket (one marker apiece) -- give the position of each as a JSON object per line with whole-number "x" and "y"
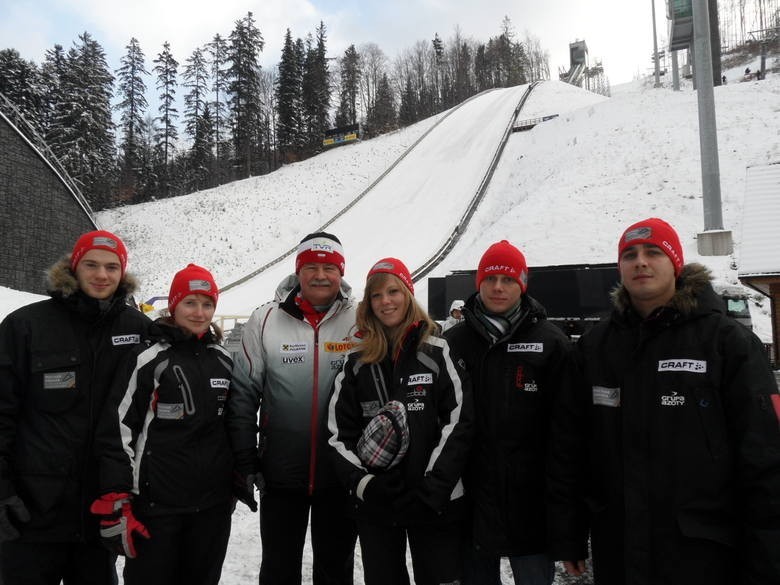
{"x": 43, "y": 482}
{"x": 55, "y": 383}
{"x": 704, "y": 527}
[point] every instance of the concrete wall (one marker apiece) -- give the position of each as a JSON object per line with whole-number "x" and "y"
{"x": 40, "y": 218}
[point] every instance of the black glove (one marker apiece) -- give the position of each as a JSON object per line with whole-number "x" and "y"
{"x": 244, "y": 488}
{"x": 383, "y": 488}
{"x": 13, "y": 512}
{"x": 118, "y": 524}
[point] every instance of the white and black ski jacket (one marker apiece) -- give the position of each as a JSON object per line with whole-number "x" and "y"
{"x": 163, "y": 434}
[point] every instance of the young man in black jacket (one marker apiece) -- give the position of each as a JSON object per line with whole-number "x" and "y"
{"x": 518, "y": 362}
{"x": 57, "y": 359}
{"x": 680, "y": 429}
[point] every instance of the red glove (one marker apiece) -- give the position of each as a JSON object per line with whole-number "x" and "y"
{"x": 117, "y": 523}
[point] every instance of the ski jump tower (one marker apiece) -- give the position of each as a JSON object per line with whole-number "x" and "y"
{"x": 581, "y": 74}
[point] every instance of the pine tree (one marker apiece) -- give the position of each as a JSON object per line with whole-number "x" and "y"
{"x": 315, "y": 90}
{"x": 246, "y": 44}
{"x": 218, "y": 50}
{"x": 83, "y": 130}
{"x": 197, "y": 116}
{"x": 132, "y": 105}
{"x": 166, "y": 68}
{"x": 288, "y": 98}
{"x": 20, "y": 82}
{"x": 51, "y": 81}
{"x": 382, "y": 117}
{"x": 349, "y": 87}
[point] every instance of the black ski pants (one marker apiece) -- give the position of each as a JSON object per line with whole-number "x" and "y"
{"x": 284, "y": 518}
{"x": 184, "y": 549}
{"x": 49, "y": 563}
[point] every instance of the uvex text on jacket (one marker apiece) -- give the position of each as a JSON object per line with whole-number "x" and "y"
{"x": 285, "y": 368}
{"x": 437, "y": 396}
{"x": 516, "y": 380}
{"x": 684, "y": 468}
{"x": 163, "y": 435}
{"x": 57, "y": 359}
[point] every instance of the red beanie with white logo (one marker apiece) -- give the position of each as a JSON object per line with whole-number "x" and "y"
{"x": 503, "y": 258}
{"x": 657, "y": 232}
{"x": 320, "y": 248}
{"x": 192, "y": 280}
{"x": 98, "y": 240}
{"x": 395, "y": 267}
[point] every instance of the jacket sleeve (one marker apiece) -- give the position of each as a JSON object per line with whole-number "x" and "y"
{"x": 246, "y": 388}
{"x": 455, "y": 410}
{"x": 119, "y": 439}
{"x": 752, "y": 404}
{"x": 567, "y": 515}
{"x": 14, "y": 368}
{"x": 345, "y": 425}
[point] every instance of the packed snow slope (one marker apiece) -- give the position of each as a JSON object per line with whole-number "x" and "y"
{"x": 562, "y": 192}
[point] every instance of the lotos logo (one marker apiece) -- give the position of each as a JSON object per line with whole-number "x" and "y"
{"x": 673, "y": 399}
{"x": 338, "y": 346}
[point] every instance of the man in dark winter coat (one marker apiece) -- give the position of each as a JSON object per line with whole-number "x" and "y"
{"x": 57, "y": 358}
{"x": 518, "y": 362}
{"x": 681, "y": 427}
{"x": 291, "y": 351}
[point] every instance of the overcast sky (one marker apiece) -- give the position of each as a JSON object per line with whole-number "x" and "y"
{"x": 619, "y": 32}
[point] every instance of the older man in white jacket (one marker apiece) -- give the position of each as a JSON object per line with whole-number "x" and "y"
{"x": 292, "y": 349}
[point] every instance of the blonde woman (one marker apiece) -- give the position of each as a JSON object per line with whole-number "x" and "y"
{"x": 400, "y": 419}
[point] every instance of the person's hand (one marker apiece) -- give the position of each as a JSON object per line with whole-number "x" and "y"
{"x": 118, "y": 525}
{"x": 13, "y": 512}
{"x": 244, "y": 486}
{"x": 383, "y": 488}
{"x": 575, "y": 568}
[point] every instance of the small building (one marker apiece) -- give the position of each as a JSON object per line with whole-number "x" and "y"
{"x": 759, "y": 265}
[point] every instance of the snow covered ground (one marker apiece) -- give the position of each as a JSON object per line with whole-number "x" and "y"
{"x": 562, "y": 192}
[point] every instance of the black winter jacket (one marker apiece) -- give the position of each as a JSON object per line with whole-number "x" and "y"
{"x": 437, "y": 395}
{"x": 516, "y": 380}
{"x": 57, "y": 360}
{"x": 163, "y": 435}
{"x": 684, "y": 444}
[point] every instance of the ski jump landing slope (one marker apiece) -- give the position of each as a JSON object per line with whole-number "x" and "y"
{"x": 412, "y": 211}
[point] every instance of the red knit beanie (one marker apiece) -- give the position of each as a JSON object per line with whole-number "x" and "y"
{"x": 654, "y": 231}
{"x": 503, "y": 258}
{"x": 395, "y": 267}
{"x": 192, "y": 280}
{"x": 320, "y": 247}
{"x": 98, "y": 240}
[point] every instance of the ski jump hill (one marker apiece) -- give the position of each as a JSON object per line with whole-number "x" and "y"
{"x": 417, "y": 209}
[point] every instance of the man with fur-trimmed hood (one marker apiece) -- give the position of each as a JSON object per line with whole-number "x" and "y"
{"x": 57, "y": 359}
{"x": 683, "y": 477}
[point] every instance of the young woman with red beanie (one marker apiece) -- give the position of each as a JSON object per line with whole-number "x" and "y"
{"x": 165, "y": 458}
{"x": 401, "y": 381}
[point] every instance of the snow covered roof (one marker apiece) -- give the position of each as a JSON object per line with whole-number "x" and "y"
{"x": 760, "y": 253}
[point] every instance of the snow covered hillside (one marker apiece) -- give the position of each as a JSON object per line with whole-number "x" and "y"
{"x": 562, "y": 191}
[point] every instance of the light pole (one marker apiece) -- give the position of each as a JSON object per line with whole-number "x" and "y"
{"x": 655, "y": 51}
{"x": 714, "y": 241}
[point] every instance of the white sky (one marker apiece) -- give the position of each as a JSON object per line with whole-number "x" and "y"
{"x": 619, "y": 32}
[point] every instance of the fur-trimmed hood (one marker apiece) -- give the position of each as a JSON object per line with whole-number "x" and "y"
{"x": 60, "y": 280}
{"x": 691, "y": 285}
